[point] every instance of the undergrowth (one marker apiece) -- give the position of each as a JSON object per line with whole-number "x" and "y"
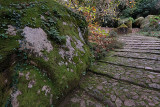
{"x": 100, "y": 44}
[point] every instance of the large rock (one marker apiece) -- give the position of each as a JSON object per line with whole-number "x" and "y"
{"x": 122, "y": 29}
{"x": 43, "y": 53}
{"x": 146, "y": 22}
{"x": 138, "y": 21}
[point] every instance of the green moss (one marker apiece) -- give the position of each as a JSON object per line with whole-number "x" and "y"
{"x": 5, "y": 89}
{"x": 123, "y": 26}
{"x": 64, "y": 75}
{"x": 110, "y": 59}
{"x": 7, "y": 49}
{"x": 32, "y": 17}
{"x": 129, "y": 24}
{"x": 7, "y": 2}
{"x": 30, "y": 96}
{"x": 61, "y": 78}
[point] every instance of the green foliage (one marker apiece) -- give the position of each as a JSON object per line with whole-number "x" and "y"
{"x": 54, "y": 34}
{"x": 154, "y": 27}
{"x": 142, "y": 8}
{"x": 57, "y": 14}
{"x": 3, "y": 36}
{"x": 130, "y": 18}
{"x": 8, "y": 47}
{"x": 154, "y": 23}
{"x": 99, "y": 52}
{"x": 151, "y": 33}
{"x": 128, "y": 12}
{"x": 109, "y": 21}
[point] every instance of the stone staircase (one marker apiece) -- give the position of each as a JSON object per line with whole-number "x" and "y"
{"x": 128, "y": 77}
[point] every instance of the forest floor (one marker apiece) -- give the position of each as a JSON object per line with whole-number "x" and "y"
{"x": 127, "y": 77}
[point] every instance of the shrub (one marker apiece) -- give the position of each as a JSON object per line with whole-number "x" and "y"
{"x": 109, "y": 21}
{"x": 100, "y": 50}
{"x": 154, "y": 23}
{"x": 142, "y": 8}
{"x": 127, "y": 12}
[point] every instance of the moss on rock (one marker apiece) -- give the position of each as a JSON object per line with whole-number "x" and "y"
{"x": 138, "y": 21}
{"x": 65, "y": 63}
{"x": 146, "y": 22}
{"x": 128, "y": 22}
{"x": 122, "y": 29}
{"x": 8, "y": 48}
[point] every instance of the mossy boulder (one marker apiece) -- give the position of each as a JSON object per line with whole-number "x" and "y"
{"x": 138, "y": 21}
{"x": 146, "y": 22}
{"x": 122, "y": 29}
{"x": 44, "y": 56}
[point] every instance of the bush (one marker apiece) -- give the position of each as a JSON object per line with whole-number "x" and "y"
{"x": 128, "y": 12}
{"x": 109, "y": 21}
{"x": 154, "y": 23}
{"x": 142, "y": 8}
{"x": 100, "y": 50}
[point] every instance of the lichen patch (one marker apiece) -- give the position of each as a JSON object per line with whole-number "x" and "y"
{"x": 70, "y": 53}
{"x": 79, "y": 45}
{"x": 64, "y": 23}
{"x": 11, "y": 30}
{"x": 21, "y": 74}
{"x": 80, "y": 34}
{"x": 42, "y": 17}
{"x": 27, "y": 76}
{"x": 61, "y": 63}
{"x": 36, "y": 41}
{"x": 47, "y": 89}
{"x": 31, "y": 83}
{"x": 14, "y": 96}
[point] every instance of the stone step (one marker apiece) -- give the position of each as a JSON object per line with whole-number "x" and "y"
{"x": 135, "y": 76}
{"x": 143, "y": 44}
{"x": 118, "y": 93}
{"x": 128, "y": 45}
{"x": 138, "y": 37}
{"x": 137, "y": 55}
{"x": 140, "y": 41}
{"x": 80, "y": 98}
{"x": 152, "y": 65}
{"x": 142, "y": 48}
{"x": 138, "y": 51}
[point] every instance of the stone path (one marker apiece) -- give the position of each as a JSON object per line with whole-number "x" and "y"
{"x": 128, "y": 77}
